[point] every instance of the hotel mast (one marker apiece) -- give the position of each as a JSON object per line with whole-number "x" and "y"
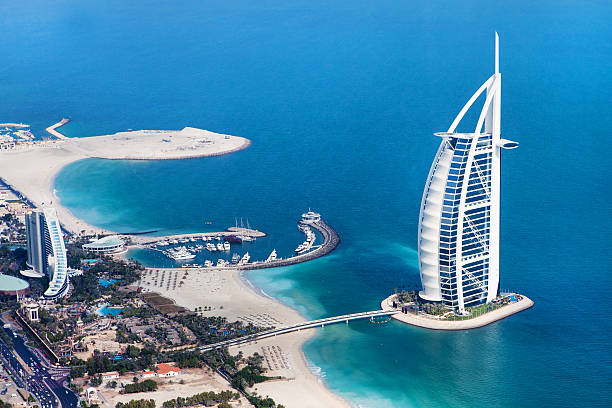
{"x": 459, "y": 219}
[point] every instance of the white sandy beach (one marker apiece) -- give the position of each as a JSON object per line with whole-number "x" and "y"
{"x": 32, "y": 171}
{"x": 228, "y": 295}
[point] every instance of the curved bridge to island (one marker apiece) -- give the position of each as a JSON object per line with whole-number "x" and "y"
{"x": 297, "y": 327}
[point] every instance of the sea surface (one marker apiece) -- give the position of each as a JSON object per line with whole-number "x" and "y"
{"x": 340, "y": 100}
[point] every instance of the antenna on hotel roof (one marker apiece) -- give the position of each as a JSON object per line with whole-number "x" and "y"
{"x": 496, "y": 53}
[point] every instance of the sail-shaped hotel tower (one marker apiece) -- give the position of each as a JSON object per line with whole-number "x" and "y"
{"x": 459, "y": 218}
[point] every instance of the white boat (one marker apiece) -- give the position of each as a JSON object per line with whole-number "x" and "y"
{"x": 300, "y": 248}
{"x": 272, "y": 256}
{"x": 220, "y": 247}
{"x": 173, "y": 241}
{"x": 245, "y": 258}
{"x": 208, "y": 263}
{"x": 221, "y": 263}
{"x": 181, "y": 254}
{"x": 226, "y": 246}
{"x": 235, "y": 258}
{"x": 211, "y": 247}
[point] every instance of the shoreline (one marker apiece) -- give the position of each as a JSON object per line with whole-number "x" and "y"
{"x": 302, "y": 337}
{"x": 232, "y": 295}
{"x": 46, "y": 160}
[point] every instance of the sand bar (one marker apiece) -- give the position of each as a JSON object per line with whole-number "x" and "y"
{"x": 32, "y": 171}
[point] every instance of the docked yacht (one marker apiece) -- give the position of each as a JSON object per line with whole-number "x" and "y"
{"x": 208, "y": 263}
{"x": 245, "y": 258}
{"x": 211, "y": 247}
{"x": 235, "y": 258}
{"x": 221, "y": 263}
{"x": 226, "y": 246}
{"x": 220, "y": 247}
{"x": 180, "y": 254}
{"x": 272, "y": 256}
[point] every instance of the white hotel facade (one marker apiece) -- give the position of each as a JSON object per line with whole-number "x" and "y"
{"x": 47, "y": 252}
{"x": 458, "y": 236}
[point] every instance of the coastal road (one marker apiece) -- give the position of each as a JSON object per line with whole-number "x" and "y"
{"x": 46, "y": 386}
{"x": 297, "y": 327}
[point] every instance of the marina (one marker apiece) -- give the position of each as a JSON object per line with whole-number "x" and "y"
{"x": 222, "y": 242}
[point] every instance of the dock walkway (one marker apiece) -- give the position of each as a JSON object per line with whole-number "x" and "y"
{"x": 147, "y": 240}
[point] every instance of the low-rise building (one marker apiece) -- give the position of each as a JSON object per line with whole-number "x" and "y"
{"x": 107, "y": 245}
{"x": 148, "y": 374}
{"x": 31, "y": 311}
{"x": 92, "y": 396}
{"x": 166, "y": 370}
{"x": 110, "y": 375}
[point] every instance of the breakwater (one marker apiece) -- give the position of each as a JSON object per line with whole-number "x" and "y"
{"x": 52, "y": 129}
{"x": 331, "y": 240}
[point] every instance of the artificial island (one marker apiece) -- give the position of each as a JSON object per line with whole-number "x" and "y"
{"x": 101, "y": 320}
{"x": 458, "y": 235}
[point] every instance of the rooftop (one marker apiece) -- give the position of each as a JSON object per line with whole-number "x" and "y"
{"x": 11, "y": 283}
{"x": 163, "y": 368}
{"x": 112, "y": 240}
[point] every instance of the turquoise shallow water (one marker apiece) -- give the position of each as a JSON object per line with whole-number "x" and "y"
{"x": 340, "y": 100}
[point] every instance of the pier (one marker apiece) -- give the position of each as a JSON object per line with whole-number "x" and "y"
{"x": 149, "y": 240}
{"x": 299, "y": 326}
{"x": 17, "y": 125}
{"x": 51, "y": 129}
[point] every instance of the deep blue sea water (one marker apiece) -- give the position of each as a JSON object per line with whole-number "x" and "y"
{"x": 340, "y": 100}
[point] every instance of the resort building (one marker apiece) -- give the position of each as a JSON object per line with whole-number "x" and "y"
{"x": 110, "y": 375}
{"x": 12, "y": 286}
{"x": 166, "y": 370}
{"x": 148, "y": 374}
{"x": 31, "y": 311}
{"x": 458, "y": 236}
{"x": 92, "y": 396}
{"x": 106, "y": 245}
{"x": 46, "y": 251}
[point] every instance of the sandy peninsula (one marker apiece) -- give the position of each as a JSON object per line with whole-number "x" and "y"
{"x": 228, "y": 294}
{"x": 32, "y": 170}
